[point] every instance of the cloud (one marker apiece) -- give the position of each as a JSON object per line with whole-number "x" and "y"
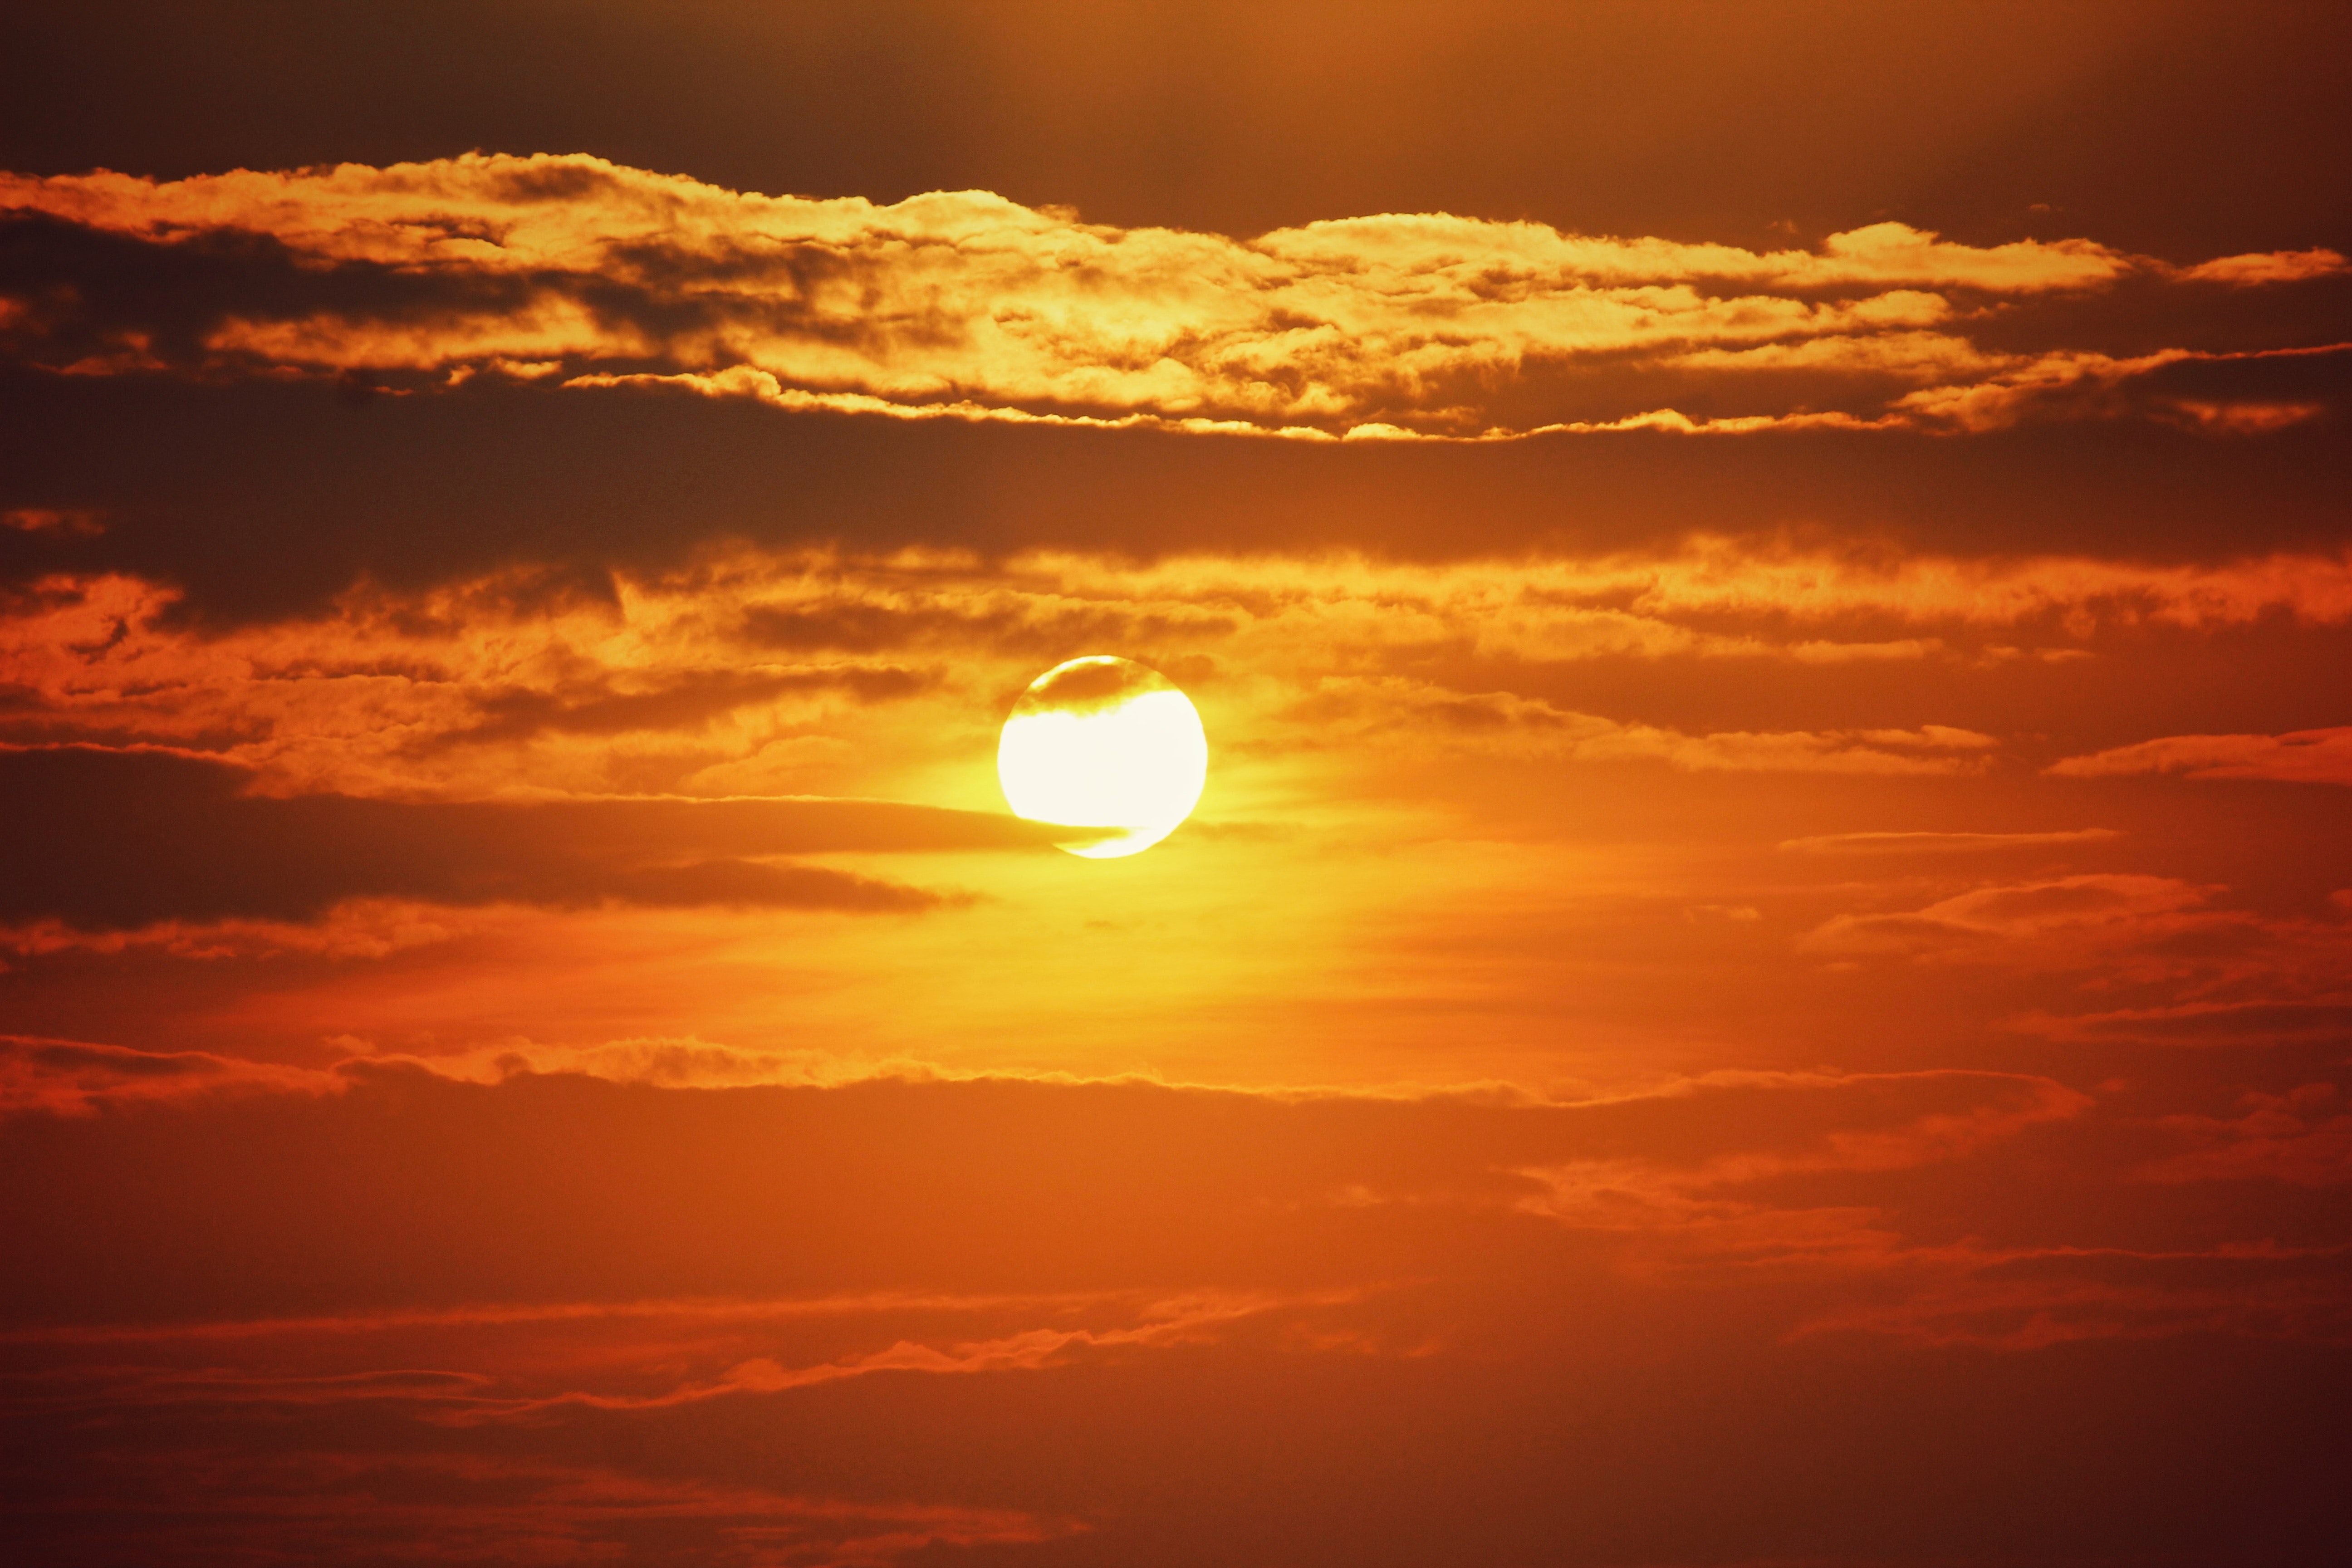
{"x": 2031, "y": 1299}
{"x": 468, "y": 1397}
{"x": 130, "y": 839}
{"x": 2065, "y": 921}
{"x": 943, "y": 1173}
{"x": 346, "y": 1503}
{"x": 2074, "y": 384}
{"x": 72, "y": 1076}
{"x": 749, "y": 671}
{"x": 1729, "y": 1129}
{"x": 1926, "y": 843}
{"x": 413, "y": 1287}
{"x": 76, "y": 1077}
{"x": 2242, "y": 418}
{"x": 966, "y": 305}
{"x": 1326, "y": 1222}
{"x": 2303, "y": 1137}
{"x": 2264, "y": 1021}
{"x": 45, "y": 520}
{"x": 1359, "y": 712}
{"x": 2303, "y": 756}
{"x": 686, "y": 701}
{"x": 1196, "y": 1320}
{"x": 1540, "y": 605}
{"x": 1768, "y": 1215}
{"x": 2266, "y": 267}
{"x": 664, "y": 1315}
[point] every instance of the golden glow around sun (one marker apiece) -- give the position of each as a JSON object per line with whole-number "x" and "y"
{"x": 1104, "y": 742}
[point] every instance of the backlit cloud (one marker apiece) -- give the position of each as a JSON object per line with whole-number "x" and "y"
{"x": 1921, "y": 843}
{"x": 2067, "y": 921}
{"x": 74, "y": 1076}
{"x": 134, "y": 839}
{"x": 2304, "y": 756}
{"x": 745, "y": 672}
{"x": 2029, "y": 1300}
{"x": 964, "y": 304}
{"x": 2303, "y": 1136}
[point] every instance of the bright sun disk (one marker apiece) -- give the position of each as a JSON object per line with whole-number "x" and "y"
{"x": 1104, "y": 742}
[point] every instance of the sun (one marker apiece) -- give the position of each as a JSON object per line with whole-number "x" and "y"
{"x": 1104, "y": 742}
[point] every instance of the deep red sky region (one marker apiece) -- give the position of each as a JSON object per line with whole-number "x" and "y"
{"x": 1762, "y": 975}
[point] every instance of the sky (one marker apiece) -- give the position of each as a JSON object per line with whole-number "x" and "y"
{"x": 1762, "y": 977}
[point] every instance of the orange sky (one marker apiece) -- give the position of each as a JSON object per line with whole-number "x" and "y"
{"x": 1763, "y": 975}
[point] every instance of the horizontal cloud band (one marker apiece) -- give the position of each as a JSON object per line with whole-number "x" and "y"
{"x": 133, "y": 839}
{"x": 966, "y": 305}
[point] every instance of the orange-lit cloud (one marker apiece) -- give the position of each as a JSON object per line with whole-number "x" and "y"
{"x": 966, "y": 305}
{"x": 1121, "y": 1322}
{"x": 2303, "y": 1136}
{"x": 2272, "y": 267}
{"x": 1343, "y": 712}
{"x": 743, "y": 673}
{"x": 2063, "y": 921}
{"x": 1920, "y": 843}
{"x": 2314, "y": 1009}
{"x": 2030, "y": 1299}
{"x": 2304, "y": 756}
{"x": 70, "y": 1076}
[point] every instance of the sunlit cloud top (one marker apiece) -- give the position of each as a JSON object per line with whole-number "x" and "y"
{"x": 965, "y": 304}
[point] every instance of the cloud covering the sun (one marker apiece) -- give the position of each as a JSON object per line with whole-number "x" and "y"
{"x": 967, "y": 305}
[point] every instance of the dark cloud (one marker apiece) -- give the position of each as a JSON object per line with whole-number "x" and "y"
{"x": 1063, "y": 630}
{"x": 73, "y": 1057}
{"x": 683, "y": 702}
{"x": 111, "y": 841}
{"x": 97, "y": 297}
{"x": 90, "y": 299}
{"x": 265, "y": 500}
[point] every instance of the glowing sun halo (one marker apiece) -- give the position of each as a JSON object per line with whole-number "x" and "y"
{"x": 1104, "y": 742}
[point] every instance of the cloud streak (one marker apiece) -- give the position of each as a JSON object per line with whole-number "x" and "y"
{"x": 343, "y": 1503}
{"x": 75, "y": 1075}
{"x": 2030, "y": 1299}
{"x": 2303, "y": 756}
{"x": 1925, "y": 843}
{"x": 469, "y": 1396}
{"x": 138, "y": 838}
{"x": 1355, "y": 711}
